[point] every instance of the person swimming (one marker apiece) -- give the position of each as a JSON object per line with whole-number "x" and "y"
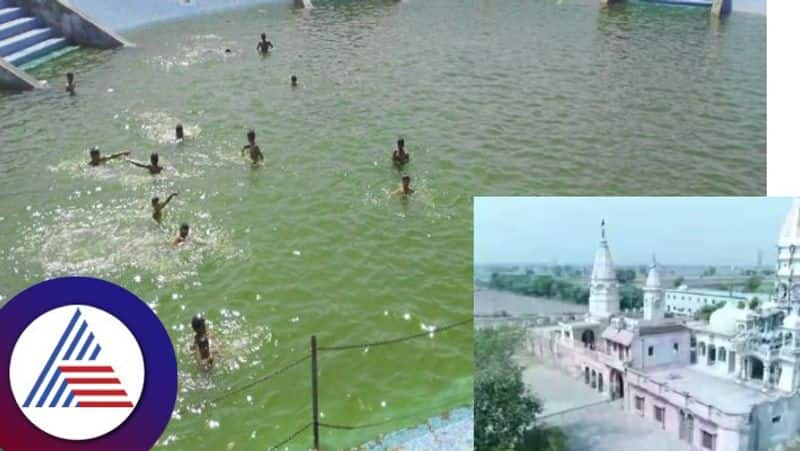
{"x": 179, "y": 132}
{"x": 71, "y": 85}
{"x": 153, "y": 167}
{"x": 96, "y": 158}
{"x": 294, "y": 81}
{"x": 252, "y": 148}
{"x": 183, "y": 235}
{"x": 405, "y": 190}
{"x": 400, "y": 156}
{"x": 158, "y": 206}
{"x": 264, "y": 46}
{"x": 202, "y": 345}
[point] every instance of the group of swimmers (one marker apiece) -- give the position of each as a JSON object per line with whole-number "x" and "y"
{"x": 201, "y": 346}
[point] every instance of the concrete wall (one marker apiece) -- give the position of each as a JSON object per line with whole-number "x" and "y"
{"x": 74, "y": 24}
{"x": 750, "y": 6}
{"x": 663, "y": 351}
{"x": 125, "y": 15}
{"x": 13, "y": 78}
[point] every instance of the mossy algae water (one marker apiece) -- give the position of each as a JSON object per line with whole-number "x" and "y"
{"x": 536, "y": 97}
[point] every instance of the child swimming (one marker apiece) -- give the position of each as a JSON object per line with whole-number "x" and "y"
{"x": 158, "y": 206}
{"x": 153, "y": 167}
{"x": 252, "y": 148}
{"x": 96, "y": 158}
{"x": 202, "y": 343}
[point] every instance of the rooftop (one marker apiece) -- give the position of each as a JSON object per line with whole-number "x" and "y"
{"x": 715, "y": 293}
{"x": 661, "y": 329}
{"x": 725, "y": 394}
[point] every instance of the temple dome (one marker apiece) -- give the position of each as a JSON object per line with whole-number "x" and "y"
{"x": 725, "y": 320}
{"x": 790, "y": 232}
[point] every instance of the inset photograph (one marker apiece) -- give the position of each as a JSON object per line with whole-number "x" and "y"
{"x": 666, "y": 324}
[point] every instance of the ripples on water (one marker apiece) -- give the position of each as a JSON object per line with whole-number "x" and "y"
{"x": 536, "y": 97}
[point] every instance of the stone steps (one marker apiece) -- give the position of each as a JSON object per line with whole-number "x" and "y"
{"x": 25, "y": 39}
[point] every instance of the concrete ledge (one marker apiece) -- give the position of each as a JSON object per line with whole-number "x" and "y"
{"x": 74, "y": 24}
{"x": 13, "y": 78}
{"x": 127, "y": 15}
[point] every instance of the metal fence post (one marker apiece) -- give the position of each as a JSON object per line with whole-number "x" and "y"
{"x": 314, "y": 393}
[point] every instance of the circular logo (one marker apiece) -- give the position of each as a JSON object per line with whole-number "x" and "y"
{"x": 86, "y": 365}
{"x": 89, "y": 376}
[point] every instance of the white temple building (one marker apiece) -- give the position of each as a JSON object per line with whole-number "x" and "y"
{"x": 729, "y": 384}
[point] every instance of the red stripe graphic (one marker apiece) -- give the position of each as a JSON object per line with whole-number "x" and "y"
{"x": 99, "y": 393}
{"x": 105, "y": 404}
{"x": 86, "y": 369}
{"x": 79, "y": 377}
{"x": 92, "y": 380}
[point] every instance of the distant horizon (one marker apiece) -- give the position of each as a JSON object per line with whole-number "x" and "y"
{"x": 681, "y": 231}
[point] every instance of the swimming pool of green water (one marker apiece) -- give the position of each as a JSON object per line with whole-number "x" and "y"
{"x": 491, "y": 97}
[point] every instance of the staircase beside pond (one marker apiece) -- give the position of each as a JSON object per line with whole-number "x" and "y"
{"x": 35, "y": 31}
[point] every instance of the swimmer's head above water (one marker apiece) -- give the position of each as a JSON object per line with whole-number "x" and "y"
{"x": 179, "y": 131}
{"x": 94, "y": 154}
{"x": 154, "y": 159}
{"x": 70, "y": 83}
{"x": 251, "y": 137}
{"x": 401, "y": 144}
{"x": 154, "y": 201}
{"x": 406, "y": 182}
{"x": 199, "y": 324}
{"x": 294, "y": 80}
{"x": 184, "y": 230}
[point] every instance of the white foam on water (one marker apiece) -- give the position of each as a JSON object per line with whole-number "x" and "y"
{"x": 200, "y": 49}
{"x": 105, "y": 239}
{"x": 159, "y": 126}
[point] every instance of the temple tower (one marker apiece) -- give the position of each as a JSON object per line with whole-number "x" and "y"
{"x": 653, "y": 294}
{"x": 787, "y": 283}
{"x": 603, "y": 288}
{"x": 787, "y": 293}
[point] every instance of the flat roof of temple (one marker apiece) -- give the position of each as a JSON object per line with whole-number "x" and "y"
{"x": 661, "y": 329}
{"x": 724, "y": 394}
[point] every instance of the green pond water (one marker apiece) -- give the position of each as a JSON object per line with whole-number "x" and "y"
{"x": 535, "y": 97}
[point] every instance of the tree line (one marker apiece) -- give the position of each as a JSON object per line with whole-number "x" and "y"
{"x": 567, "y": 289}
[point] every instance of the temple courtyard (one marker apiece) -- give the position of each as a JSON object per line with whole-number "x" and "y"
{"x": 590, "y": 420}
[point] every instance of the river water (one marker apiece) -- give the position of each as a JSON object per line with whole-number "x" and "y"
{"x": 534, "y": 97}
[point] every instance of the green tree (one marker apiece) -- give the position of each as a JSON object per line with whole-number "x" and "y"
{"x": 711, "y": 271}
{"x": 625, "y": 276}
{"x": 753, "y": 282}
{"x": 504, "y": 407}
{"x": 631, "y": 297}
{"x": 753, "y": 304}
{"x": 679, "y": 281}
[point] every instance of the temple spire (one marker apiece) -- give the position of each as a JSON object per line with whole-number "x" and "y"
{"x": 603, "y": 229}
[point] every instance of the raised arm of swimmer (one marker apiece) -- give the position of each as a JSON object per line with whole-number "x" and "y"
{"x": 169, "y": 198}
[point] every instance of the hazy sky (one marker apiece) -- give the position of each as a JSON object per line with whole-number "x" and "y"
{"x": 680, "y": 230}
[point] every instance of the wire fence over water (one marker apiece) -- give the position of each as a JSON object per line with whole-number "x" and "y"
{"x": 315, "y": 424}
